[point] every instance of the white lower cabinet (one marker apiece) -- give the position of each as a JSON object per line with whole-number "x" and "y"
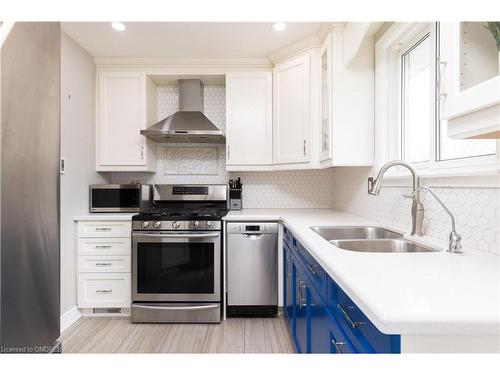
{"x": 98, "y": 263}
{"x": 102, "y": 229}
{"x": 104, "y": 264}
{"x": 103, "y": 290}
{"x": 103, "y": 246}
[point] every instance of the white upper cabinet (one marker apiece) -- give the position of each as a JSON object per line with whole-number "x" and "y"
{"x": 249, "y": 121}
{"x": 126, "y": 104}
{"x": 469, "y": 80}
{"x": 291, "y": 110}
{"x": 325, "y": 143}
{"x": 352, "y": 103}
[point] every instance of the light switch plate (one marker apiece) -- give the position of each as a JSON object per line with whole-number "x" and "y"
{"x": 62, "y": 165}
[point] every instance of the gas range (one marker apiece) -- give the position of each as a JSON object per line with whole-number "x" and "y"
{"x": 186, "y": 218}
{"x": 184, "y": 207}
{"x": 177, "y": 255}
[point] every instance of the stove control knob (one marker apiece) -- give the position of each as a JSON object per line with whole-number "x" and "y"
{"x": 196, "y": 225}
{"x": 209, "y": 224}
{"x": 145, "y": 224}
{"x": 175, "y": 224}
{"x": 157, "y": 224}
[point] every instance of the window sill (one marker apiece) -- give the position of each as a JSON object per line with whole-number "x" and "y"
{"x": 472, "y": 176}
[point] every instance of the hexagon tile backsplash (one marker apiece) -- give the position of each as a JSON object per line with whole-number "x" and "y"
{"x": 476, "y": 210}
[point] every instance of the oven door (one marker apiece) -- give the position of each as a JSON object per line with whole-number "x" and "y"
{"x": 176, "y": 266}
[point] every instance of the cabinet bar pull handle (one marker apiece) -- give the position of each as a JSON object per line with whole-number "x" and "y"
{"x": 313, "y": 271}
{"x": 142, "y": 152}
{"x": 103, "y": 229}
{"x": 337, "y": 346}
{"x": 305, "y": 146}
{"x": 348, "y": 318}
{"x": 103, "y": 246}
{"x": 302, "y": 299}
{"x": 104, "y": 291}
{"x": 103, "y": 264}
{"x": 300, "y": 291}
{"x": 288, "y": 263}
{"x": 228, "y": 152}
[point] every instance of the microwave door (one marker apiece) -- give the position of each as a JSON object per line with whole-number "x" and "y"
{"x": 115, "y": 198}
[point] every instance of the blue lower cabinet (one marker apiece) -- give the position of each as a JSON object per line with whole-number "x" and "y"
{"x": 326, "y": 335}
{"x": 301, "y": 312}
{"x": 361, "y": 331}
{"x": 288, "y": 283}
{"x": 338, "y": 342}
{"x": 321, "y": 317}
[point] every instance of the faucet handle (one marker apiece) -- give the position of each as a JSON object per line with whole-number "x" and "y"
{"x": 455, "y": 244}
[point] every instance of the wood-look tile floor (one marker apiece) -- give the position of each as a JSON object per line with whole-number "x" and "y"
{"x": 118, "y": 335}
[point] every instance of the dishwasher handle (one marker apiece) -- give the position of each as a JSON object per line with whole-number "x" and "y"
{"x": 252, "y": 236}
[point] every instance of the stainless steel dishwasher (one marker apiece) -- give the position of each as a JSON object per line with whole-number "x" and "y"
{"x": 252, "y": 269}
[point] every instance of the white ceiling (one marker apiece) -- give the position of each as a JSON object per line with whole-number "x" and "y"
{"x": 186, "y": 39}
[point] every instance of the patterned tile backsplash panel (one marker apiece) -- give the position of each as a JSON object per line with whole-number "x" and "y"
{"x": 476, "y": 210}
{"x": 205, "y": 163}
{"x": 287, "y": 189}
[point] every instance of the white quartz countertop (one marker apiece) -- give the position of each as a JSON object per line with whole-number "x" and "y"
{"x": 402, "y": 293}
{"x": 104, "y": 216}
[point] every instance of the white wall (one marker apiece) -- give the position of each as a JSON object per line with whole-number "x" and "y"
{"x": 77, "y": 147}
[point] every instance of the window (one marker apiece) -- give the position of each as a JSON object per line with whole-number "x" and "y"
{"x": 408, "y": 102}
{"x": 417, "y": 100}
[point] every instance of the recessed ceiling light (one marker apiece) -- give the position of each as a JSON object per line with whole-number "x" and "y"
{"x": 118, "y": 26}
{"x": 279, "y": 26}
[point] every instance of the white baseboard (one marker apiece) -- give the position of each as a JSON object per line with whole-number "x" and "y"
{"x": 70, "y": 317}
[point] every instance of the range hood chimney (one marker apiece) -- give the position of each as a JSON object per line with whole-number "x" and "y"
{"x": 189, "y": 124}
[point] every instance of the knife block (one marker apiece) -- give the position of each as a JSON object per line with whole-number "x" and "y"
{"x": 235, "y": 199}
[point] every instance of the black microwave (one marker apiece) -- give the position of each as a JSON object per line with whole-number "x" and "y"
{"x": 120, "y": 198}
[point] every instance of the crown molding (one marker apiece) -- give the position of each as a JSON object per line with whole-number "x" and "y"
{"x": 295, "y": 48}
{"x": 182, "y": 65}
{"x": 306, "y": 43}
{"x": 326, "y": 29}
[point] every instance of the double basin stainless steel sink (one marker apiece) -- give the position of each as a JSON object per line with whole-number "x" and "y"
{"x": 370, "y": 240}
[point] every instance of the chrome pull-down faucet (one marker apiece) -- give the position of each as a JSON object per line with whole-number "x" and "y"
{"x": 455, "y": 240}
{"x": 417, "y": 208}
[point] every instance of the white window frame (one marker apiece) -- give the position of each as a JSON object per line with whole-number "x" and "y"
{"x": 388, "y": 51}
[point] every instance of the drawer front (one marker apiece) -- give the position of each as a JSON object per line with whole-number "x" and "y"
{"x": 103, "y": 290}
{"x": 312, "y": 269}
{"x": 104, "y": 229}
{"x": 363, "y": 334}
{"x": 104, "y": 246}
{"x": 338, "y": 341}
{"x": 89, "y": 263}
{"x": 287, "y": 236}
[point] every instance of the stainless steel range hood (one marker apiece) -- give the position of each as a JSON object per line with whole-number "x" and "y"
{"x": 189, "y": 124}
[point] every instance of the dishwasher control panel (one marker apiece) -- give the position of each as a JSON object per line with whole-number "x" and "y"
{"x": 252, "y": 227}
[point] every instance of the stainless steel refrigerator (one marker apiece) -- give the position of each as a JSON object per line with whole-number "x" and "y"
{"x": 29, "y": 249}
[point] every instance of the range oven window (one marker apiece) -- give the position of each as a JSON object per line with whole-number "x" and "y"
{"x": 175, "y": 267}
{"x": 115, "y": 198}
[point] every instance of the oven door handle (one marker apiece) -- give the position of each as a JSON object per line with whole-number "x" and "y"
{"x": 198, "y": 307}
{"x": 178, "y": 235}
